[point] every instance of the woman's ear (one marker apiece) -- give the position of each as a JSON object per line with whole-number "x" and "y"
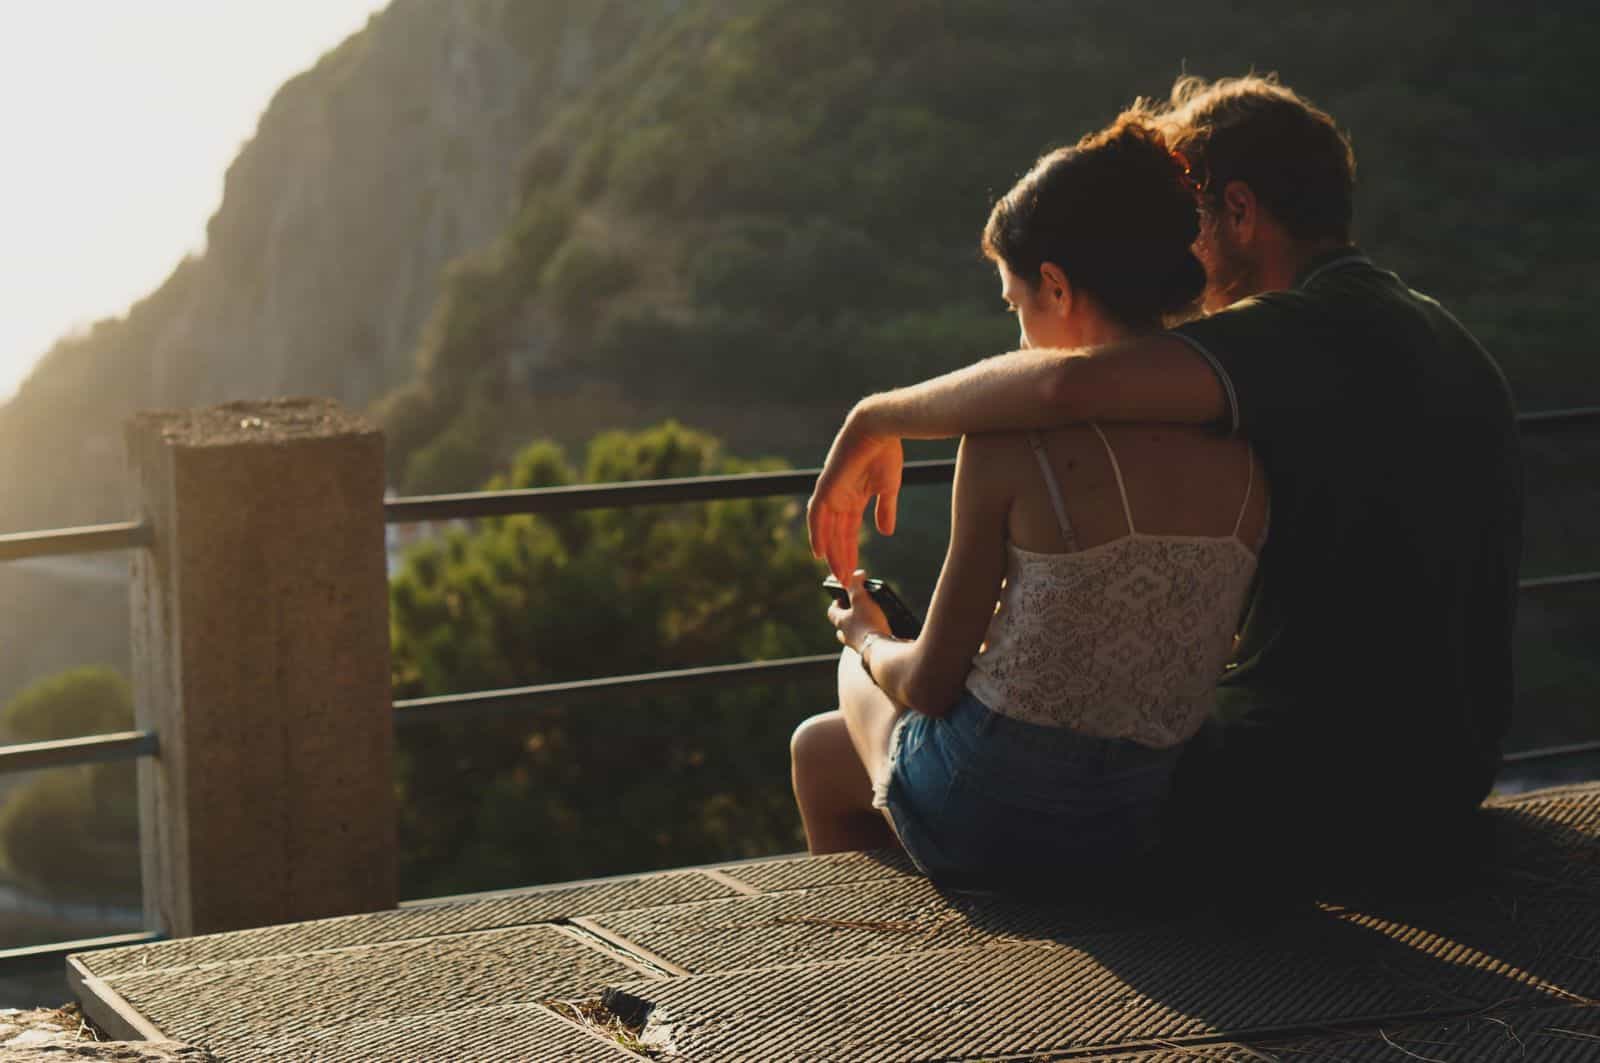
{"x": 1055, "y": 293}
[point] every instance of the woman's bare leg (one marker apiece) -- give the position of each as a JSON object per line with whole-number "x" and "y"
{"x": 834, "y": 759}
{"x": 869, "y": 714}
{"x": 832, "y": 789}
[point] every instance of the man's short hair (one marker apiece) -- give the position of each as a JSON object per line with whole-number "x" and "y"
{"x": 1295, "y": 159}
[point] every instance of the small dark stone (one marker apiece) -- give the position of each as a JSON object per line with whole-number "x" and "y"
{"x": 630, "y": 1010}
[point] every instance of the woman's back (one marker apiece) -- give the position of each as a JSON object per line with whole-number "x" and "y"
{"x": 1181, "y": 481}
{"x": 1129, "y": 555}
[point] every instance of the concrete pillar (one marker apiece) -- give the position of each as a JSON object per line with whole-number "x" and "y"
{"x": 261, "y": 660}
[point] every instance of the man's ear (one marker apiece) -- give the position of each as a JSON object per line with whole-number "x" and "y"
{"x": 1240, "y": 211}
{"x": 1054, "y": 289}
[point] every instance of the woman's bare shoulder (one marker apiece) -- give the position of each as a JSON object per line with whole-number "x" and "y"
{"x": 986, "y": 465}
{"x": 992, "y": 451}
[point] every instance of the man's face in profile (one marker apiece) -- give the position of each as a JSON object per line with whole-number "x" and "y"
{"x": 1231, "y": 271}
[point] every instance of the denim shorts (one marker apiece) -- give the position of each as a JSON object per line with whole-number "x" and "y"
{"x": 982, "y": 799}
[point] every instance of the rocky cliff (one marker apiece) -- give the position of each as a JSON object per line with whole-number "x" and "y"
{"x": 395, "y": 154}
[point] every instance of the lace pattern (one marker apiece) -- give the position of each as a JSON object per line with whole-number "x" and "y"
{"x": 1123, "y": 640}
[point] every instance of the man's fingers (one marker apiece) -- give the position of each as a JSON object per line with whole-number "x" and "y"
{"x": 888, "y": 506}
{"x": 843, "y": 559}
{"x": 816, "y": 526}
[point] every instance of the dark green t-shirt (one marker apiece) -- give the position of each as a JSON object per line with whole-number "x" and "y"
{"x": 1377, "y": 658}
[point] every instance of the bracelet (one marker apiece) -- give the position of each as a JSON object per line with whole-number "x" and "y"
{"x": 872, "y": 637}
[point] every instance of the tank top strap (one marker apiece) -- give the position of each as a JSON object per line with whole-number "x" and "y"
{"x": 1056, "y": 501}
{"x": 1122, "y": 488}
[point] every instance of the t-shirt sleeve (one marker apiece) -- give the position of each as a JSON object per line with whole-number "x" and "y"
{"x": 1277, "y": 366}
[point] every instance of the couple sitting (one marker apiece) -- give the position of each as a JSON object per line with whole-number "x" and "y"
{"x": 1061, "y": 709}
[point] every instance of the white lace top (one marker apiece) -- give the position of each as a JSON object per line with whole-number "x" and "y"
{"x": 1126, "y": 639}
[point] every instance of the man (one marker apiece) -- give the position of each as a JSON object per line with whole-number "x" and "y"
{"x": 1374, "y": 683}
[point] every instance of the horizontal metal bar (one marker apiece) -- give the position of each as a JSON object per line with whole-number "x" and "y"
{"x": 127, "y": 535}
{"x": 457, "y": 706}
{"x": 92, "y": 539}
{"x": 1569, "y": 580}
{"x": 480, "y": 504}
{"x": 1540, "y": 419}
{"x": 1551, "y": 752}
{"x": 634, "y": 493}
{"x": 34, "y": 955}
{"x": 92, "y": 749}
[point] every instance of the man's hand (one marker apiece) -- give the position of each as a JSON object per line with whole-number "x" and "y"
{"x": 861, "y": 466}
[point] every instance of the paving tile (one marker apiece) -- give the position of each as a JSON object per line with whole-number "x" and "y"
{"x": 1194, "y": 981}
{"x": 1549, "y": 840}
{"x": 515, "y": 1033}
{"x": 1553, "y": 943}
{"x": 454, "y": 916}
{"x": 849, "y": 920}
{"x": 854, "y": 957}
{"x": 225, "y": 1006}
{"x": 804, "y": 872}
{"x": 1539, "y": 1035}
{"x": 1561, "y": 1035}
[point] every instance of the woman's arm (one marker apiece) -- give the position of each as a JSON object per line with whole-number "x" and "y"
{"x": 928, "y": 673}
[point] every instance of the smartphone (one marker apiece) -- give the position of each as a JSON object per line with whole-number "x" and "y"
{"x": 903, "y": 623}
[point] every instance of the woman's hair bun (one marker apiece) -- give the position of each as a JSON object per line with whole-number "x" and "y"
{"x": 1116, "y": 213}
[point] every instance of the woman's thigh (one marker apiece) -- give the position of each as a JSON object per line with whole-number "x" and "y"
{"x": 869, "y": 715}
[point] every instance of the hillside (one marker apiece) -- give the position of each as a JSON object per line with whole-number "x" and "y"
{"x": 492, "y": 220}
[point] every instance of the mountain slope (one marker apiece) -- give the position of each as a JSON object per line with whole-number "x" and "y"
{"x": 499, "y": 219}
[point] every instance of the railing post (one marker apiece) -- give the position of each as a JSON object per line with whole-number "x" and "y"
{"x": 261, "y": 659}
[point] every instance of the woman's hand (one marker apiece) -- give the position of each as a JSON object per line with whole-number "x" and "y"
{"x": 862, "y": 618}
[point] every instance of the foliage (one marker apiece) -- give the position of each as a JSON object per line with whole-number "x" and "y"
{"x": 619, "y": 782}
{"x": 797, "y": 189}
{"x": 83, "y": 701}
{"x": 581, "y": 276}
{"x": 73, "y": 832}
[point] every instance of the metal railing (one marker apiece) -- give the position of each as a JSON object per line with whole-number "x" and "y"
{"x": 481, "y": 505}
{"x": 547, "y": 500}
{"x": 65, "y": 752}
{"x": 544, "y": 501}
{"x": 93, "y": 539}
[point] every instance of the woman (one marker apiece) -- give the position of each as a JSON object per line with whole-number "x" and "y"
{"x": 1041, "y": 733}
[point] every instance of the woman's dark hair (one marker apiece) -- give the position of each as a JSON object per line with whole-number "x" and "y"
{"x": 1117, "y": 215}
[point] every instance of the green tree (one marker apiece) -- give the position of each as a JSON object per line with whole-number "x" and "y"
{"x": 626, "y": 782}
{"x": 82, "y": 701}
{"x": 73, "y": 832}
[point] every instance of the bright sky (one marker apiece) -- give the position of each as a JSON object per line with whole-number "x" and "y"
{"x": 118, "y": 119}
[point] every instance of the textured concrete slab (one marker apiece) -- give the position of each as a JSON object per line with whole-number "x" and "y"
{"x": 515, "y": 1033}
{"x": 1194, "y": 982}
{"x": 1552, "y": 944}
{"x": 845, "y": 921}
{"x": 227, "y": 1006}
{"x": 1561, "y": 1035}
{"x": 803, "y": 872}
{"x": 1548, "y": 839}
{"x": 451, "y": 916}
{"x": 854, "y": 958}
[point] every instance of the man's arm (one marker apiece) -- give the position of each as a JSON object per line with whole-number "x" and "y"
{"x": 1152, "y": 378}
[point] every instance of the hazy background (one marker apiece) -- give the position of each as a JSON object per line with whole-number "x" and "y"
{"x": 118, "y": 121}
